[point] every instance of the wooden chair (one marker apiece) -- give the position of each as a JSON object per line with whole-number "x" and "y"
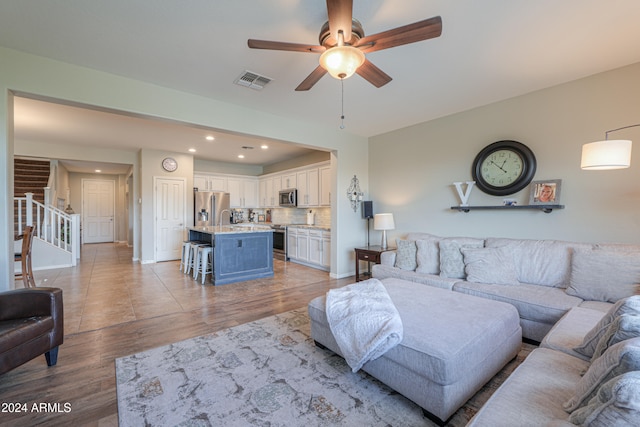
{"x": 24, "y": 257}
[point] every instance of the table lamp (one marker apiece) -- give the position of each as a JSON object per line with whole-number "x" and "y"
{"x": 384, "y": 222}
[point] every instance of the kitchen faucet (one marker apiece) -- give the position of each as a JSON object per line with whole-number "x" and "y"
{"x": 222, "y": 216}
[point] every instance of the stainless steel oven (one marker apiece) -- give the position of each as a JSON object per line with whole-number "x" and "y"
{"x": 279, "y": 241}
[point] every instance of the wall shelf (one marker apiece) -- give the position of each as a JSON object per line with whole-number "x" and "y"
{"x": 543, "y": 208}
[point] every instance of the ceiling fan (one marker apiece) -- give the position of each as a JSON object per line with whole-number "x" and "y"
{"x": 343, "y": 45}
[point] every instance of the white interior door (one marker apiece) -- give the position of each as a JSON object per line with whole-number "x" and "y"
{"x": 98, "y": 208}
{"x": 170, "y": 203}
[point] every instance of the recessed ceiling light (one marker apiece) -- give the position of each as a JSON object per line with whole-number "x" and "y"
{"x": 192, "y": 150}
{"x": 98, "y": 170}
{"x": 241, "y": 156}
{"x": 264, "y": 146}
{"x": 209, "y": 138}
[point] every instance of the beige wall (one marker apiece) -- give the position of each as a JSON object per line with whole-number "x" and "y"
{"x": 227, "y": 168}
{"x": 412, "y": 169}
{"x": 150, "y": 168}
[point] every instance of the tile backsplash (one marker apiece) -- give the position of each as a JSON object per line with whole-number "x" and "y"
{"x": 295, "y": 215}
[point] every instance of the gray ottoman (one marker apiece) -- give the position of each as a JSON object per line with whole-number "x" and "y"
{"x": 453, "y": 344}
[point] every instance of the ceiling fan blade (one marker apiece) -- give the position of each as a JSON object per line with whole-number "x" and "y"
{"x": 292, "y": 47}
{"x": 373, "y": 74}
{"x": 340, "y": 18}
{"x": 418, "y": 31}
{"x": 312, "y": 79}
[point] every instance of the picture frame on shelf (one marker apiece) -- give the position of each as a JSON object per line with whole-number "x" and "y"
{"x": 545, "y": 192}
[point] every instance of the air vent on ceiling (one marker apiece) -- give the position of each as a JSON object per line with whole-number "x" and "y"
{"x": 252, "y": 80}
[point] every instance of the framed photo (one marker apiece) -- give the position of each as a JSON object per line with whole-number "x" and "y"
{"x": 545, "y": 192}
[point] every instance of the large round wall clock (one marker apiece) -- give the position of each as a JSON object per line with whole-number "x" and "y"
{"x": 503, "y": 168}
{"x": 169, "y": 164}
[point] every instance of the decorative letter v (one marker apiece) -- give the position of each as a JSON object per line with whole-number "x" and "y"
{"x": 464, "y": 197}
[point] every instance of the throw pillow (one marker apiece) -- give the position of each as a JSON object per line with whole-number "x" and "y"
{"x": 604, "y": 275}
{"x": 617, "y": 403}
{"x": 428, "y": 256}
{"x": 622, "y": 328}
{"x": 629, "y": 305}
{"x": 451, "y": 259}
{"x": 619, "y": 359}
{"x": 490, "y": 265}
{"x": 406, "y": 254}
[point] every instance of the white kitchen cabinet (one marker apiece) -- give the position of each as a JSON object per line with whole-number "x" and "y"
{"x": 325, "y": 186}
{"x": 326, "y": 250}
{"x": 265, "y": 192}
{"x": 292, "y": 243}
{"x": 315, "y": 247}
{"x": 204, "y": 182}
{"x": 243, "y": 192}
{"x": 311, "y": 247}
{"x": 302, "y": 243}
{"x": 288, "y": 180}
{"x": 308, "y": 187}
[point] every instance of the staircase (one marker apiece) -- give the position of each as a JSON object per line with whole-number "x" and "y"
{"x": 30, "y": 176}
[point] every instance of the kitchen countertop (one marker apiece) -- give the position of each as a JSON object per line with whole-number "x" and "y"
{"x": 311, "y": 227}
{"x": 268, "y": 224}
{"x": 233, "y": 228}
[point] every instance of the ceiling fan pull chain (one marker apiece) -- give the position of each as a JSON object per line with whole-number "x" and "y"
{"x": 342, "y": 100}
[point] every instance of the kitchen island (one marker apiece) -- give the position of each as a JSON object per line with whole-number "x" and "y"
{"x": 240, "y": 252}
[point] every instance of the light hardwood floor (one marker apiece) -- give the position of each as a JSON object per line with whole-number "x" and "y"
{"x": 114, "y": 307}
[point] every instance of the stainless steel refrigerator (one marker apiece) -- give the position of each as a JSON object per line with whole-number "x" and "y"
{"x": 209, "y": 207}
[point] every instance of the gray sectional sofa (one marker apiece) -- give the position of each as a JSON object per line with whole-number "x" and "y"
{"x": 580, "y": 301}
{"x": 543, "y": 279}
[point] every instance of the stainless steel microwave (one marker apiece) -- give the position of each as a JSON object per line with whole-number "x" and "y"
{"x": 288, "y": 198}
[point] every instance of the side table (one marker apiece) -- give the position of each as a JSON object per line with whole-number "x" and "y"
{"x": 369, "y": 254}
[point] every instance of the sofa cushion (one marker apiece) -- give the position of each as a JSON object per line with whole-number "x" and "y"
{"x": 18, "y": 331}
{"x": 592, "y": 337}
{"x": 538, "y": 303}
{"x": 569, "y": 331}
{"x": 382, "y": 271}
{"x": 451, "y": 259}
{"x": 406, "y": 254}
{"x": 604, "y": 275}
{"x": 428, "y": 256}
{"x": 617, "y": 403}
{"x": 622, "y": 328}
{"x": 540, "y": 262}
{"x": 533, "y": 394}
{"x": 618, "y": 359}
{"x": 489, "y": 265}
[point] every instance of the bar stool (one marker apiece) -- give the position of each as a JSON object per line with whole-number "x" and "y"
{"x": 203, "y": 263}
{"x": 185, "y": 254}
{"x": 191, "y": 256}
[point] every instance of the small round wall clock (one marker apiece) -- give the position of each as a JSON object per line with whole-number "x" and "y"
{"x": 503, "y": 168}
{"x": 169, "y": 164}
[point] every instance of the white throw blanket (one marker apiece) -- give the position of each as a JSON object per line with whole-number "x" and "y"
{"x": 364, "y": 321}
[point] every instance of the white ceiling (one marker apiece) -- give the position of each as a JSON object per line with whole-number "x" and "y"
{"x": 489, "y": 50}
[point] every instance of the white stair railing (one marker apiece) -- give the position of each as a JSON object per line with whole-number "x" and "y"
{"x": 51, "y": 224}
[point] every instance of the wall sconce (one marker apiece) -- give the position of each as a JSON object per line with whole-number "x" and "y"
{"x": 354, "y": 194}
{"x": 384, "y": 222}
{"x": 607, "y": 154}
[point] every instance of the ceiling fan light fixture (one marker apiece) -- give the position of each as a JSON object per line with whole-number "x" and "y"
{"x": 342, "y": 61}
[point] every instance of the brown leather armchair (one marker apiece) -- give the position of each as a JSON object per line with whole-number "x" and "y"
{"x": 31, "y": 323}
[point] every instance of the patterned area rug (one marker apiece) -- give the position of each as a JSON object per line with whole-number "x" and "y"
{"x": 265, "y": 373}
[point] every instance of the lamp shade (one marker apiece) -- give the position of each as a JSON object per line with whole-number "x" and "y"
{"x": 383, "y": 221}
{"x": 608, "y": 154}
{"x": 342, "y": 61}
